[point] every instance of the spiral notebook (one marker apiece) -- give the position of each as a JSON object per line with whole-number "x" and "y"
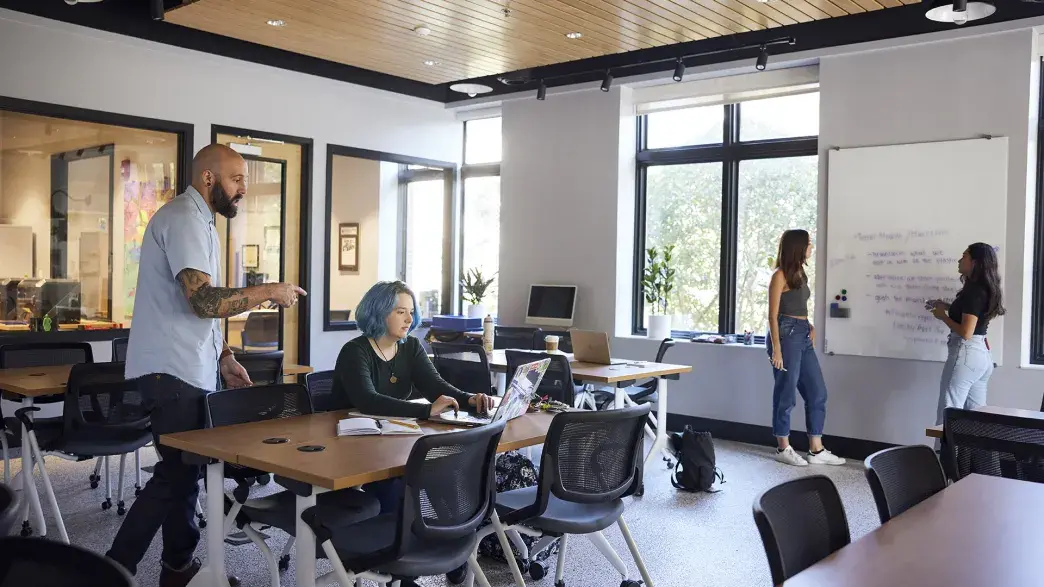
{"x": 360, "y": 426}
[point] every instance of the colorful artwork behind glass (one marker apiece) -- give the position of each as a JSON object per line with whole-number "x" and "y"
{"x": 142, "y": 196}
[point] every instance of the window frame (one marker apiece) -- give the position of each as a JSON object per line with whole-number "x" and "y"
{"x": 730, "y": 152}
{"x": 1036, "y": 354}
{"x": 449, "y": 171}
{"x": 468, "y": 171}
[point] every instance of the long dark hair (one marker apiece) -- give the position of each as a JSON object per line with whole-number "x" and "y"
{"x": 790, "y": 258}
{"x": 986, "y": 274}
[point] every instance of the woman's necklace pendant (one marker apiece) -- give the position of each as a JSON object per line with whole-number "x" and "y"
{"x": 394, "y": 379}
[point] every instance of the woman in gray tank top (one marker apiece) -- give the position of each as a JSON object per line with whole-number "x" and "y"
{"x": 791, "y": 349}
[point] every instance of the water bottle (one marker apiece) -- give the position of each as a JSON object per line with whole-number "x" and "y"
{"x": 487, "y": 334}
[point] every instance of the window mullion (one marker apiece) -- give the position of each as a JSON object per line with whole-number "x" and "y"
{"x": 729, "y": 226}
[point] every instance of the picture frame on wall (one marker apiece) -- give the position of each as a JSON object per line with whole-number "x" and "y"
{"x": 251, "y": 256}
{"x": 348, "y": 246}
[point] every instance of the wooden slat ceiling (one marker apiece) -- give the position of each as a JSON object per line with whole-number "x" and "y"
{"x": 475, "y": 38}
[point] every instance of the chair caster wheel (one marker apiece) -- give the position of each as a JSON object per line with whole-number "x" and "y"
{"x": 94, "y": 484}
{"x": 27, "y": 530}
{"x": 457, "y": 575}
{"x": 202, "y": 521}
{"x": 670, "y": 463}
{"x": 284, "y": 562}
{"x": 94, "y": 479}
{"x": 137, "y": 490}
{"x": 523, "y": 565}
{"x": 630, "y": 583}
{"x": 107, "y": 504}
{"x": 121, "y": 508}
{"x": 264, "y": 479}
{"x": 560, "y": 583}
{"x": 537, "y": 571}
{"x": 640, "y": 491}
{"x": 233, "y": 581}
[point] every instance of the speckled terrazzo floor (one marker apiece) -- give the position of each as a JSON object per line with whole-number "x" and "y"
{"x": 686, "y": 539}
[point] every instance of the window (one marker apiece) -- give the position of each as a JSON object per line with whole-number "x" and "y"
{"x": 721, "y": 184}
{"x": 481, "y": 208}
{"x": 75, "y": 197}
{"x": 1037, "y": 308}
{"x": 425, "y": 257}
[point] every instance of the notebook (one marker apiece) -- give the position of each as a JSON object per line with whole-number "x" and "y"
{"x": 376, "y": 427}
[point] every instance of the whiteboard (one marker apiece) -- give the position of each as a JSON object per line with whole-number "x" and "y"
{"x": 16, "y": 251}
{"x": 899, "y": 217}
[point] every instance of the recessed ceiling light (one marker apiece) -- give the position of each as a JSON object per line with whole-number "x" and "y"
{"x": 276, "y": 22}
{"x": 422, "y": 30}
{"x": 431, "y": 62}
{"x": 574, "y": 35}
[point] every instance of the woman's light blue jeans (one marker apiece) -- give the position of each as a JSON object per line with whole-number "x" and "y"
{"x": 969, "y": 365}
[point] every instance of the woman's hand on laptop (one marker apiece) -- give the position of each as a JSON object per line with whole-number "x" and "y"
{"x": 442, "y": 404}
{"x": 481, "y": 402}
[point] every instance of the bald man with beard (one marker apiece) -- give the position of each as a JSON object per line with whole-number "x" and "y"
{"x": 177, "y": 352}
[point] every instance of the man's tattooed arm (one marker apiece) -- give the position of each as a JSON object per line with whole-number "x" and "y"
{"x": 208, "y": 301}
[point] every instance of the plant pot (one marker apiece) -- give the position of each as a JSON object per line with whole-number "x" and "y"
{"x": 659, "y": 327}
{"x": 476, "y": 311}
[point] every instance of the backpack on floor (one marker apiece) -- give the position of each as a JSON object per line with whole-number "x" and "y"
{"x": 514, "y": 471}
{"x": 695, "y": 469}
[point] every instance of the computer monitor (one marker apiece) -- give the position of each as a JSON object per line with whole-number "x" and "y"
{"x": 551, "y": 305}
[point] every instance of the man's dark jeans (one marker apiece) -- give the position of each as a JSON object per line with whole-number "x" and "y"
{"x": 169, "y": 498}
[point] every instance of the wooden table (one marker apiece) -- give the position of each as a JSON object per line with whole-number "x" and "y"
{"x": 979, "y": 532}
{"x": 937, "y": 431}
{"x": 345, "y": 462}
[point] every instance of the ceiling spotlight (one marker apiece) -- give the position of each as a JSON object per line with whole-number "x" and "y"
{"x": 679, "y": 70}
{"x": 276, "y": 22}
{"x": 574, "y": 35}
{"x": 471, "y": 89}
{"x": 422, "y": 30}
{"x": 75, "y": 2}
{"x": 541, "y": 91}
{"x": 607, "y": 81}
{"x": 762, "y": 62}
{"x": 431, "y": 62}
{"x": 157, "y": 9}
{"x": 959, "y": 11}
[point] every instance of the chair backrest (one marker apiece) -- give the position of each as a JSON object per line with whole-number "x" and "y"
{"x": 902, "y": 477}
{"x": 801, "y": 522}
{"x": 565, "y": 342}
{"x": 98, "y": 398}
{"x": 993, "y": 444}
{"x": 665, "y": 345}
{"x": 119, "y": 349}
{"x": 516, "y": 337}
{"x": 450, "y": 484}
{"x": 9, "y": 505}
{"x": 255, "y": 404}
{"x": 264, "y": 368}
{"x": 261, "y": 329}
{"x": 464, "y": 366}
{"x": 558, "y": 379}
{"x": 48, "y": 563}
{"x": 592, "y": 456}
{"x": 45, "y": 354}
{"x": 320, "y": 389}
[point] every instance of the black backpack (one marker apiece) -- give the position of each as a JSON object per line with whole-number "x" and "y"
{"x": 695, "y": 469}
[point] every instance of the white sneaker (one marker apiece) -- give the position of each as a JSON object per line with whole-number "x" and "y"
{"x": 790, "y": 457}
{"x": 825, "y": 457}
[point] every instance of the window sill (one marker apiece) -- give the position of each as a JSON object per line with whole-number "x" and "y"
{"x": 702, "y": 344}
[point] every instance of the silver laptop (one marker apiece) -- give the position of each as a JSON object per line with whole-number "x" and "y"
{"x": 514, "y": 403}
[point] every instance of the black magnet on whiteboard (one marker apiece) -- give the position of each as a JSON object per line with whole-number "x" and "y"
{"x": 987, "y": 137}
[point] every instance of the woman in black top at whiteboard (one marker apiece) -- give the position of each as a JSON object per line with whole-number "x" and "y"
{"x": 969, "y": 363}
{"x": 791, "y": 348}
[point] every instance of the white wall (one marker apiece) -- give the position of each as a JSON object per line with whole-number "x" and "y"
{"x": 356, "y": 196}
{"x": 568, "y": 202}
{"x": 55, "y": 62}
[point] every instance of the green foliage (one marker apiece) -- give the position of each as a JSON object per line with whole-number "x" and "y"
{"x": 475, "y": 286}
{"x": 658, "y": 280}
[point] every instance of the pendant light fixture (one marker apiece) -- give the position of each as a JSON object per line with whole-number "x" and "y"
{"x": 959, "y": 11}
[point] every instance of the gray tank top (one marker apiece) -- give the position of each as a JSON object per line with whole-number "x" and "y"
{"x": 795, "y": 302}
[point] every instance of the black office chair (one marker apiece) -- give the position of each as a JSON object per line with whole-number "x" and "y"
{"x": 449, "y": 492}
{"x": 119, "y": 349}
{"x": 104, "y": 416}
{"x": 557, "y": 383}
{"x": 320, "y": 389}
{"x": 464, "y": 366}
{"x": 992, "y": 444}
{"x": 519, "y": 338}
{"x": 591, "y": 460}
{"x": 46, "y": 563}
{"x": 641, "y": 393}
{"x": 271, "y": 402}
{"x": 38, "y": 354}
{"x": 10, "y": 502}
{"x": 264, "y": 368}
{"x": 902, "y": 477}
{"x": 261, "y": 330}
{"x": 801, "y": 522}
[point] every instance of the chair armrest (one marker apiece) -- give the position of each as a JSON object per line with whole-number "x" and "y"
{"x": 295, "y": 487}
{"x": 23, "y": 415}
{"x": 312, "y": 518}
{"x": 674, "y": 377}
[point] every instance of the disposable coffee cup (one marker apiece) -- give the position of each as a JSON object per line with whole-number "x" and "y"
{"x": 551, "y": 343}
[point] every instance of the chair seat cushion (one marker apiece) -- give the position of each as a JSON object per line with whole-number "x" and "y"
{"x": 339, "y": 508}
{"x": 367, "y": 546}
{"x": 560, "y": 517}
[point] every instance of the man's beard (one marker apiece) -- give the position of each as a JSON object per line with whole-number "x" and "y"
{"x": 223, "y": 202}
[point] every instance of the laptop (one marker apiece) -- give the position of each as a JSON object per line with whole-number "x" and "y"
{"x": 591, "y": 347}
{"x": 514, "y": 403}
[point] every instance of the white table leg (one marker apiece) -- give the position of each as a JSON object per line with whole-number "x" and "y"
{"x": 304, "y": 565}
{"x": 213, "y": 574}
{"x": 661, "y": 420}
{"x": 619, "y": 397}
{"x": 29, "y": 483}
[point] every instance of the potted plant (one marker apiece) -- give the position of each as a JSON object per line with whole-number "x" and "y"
{"x": 475, "y": 286}
{"x": 657, "y": 284}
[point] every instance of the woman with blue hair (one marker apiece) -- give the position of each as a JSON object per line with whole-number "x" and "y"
{"x": 379, "y": 370}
